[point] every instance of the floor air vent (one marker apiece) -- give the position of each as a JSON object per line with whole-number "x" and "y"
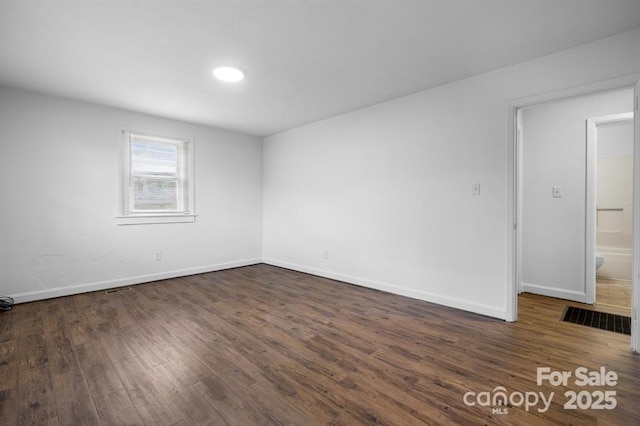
{"x": 595, "y": 319}
{"x": 117, "y": 290}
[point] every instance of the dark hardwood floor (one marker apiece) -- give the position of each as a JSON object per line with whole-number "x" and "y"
{"x": 263, "y": 345}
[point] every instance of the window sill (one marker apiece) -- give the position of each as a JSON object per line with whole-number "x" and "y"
{"x": 146, "y": 219}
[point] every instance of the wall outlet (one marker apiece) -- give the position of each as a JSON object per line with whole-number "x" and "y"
{"x": 475, "y": 189}
{"x": 325, "y": 254}
{"x": 158, "y": 256}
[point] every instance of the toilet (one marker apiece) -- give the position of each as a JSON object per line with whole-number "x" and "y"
{"x": 599, "y": 260}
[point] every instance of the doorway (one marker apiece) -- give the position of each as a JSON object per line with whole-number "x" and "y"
{"x": 561, "y": 267}
{"x": 610, "y": 210}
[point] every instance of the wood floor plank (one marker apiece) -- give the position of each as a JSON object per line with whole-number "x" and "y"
{"x": 117, "y": 409}
{"x": 148, "y": 347}
{"x": 60, "y": 352}
{"x": 80, "y": 411}
{"x": 8, "y": 382}
{"x": 115, "y": 346}
{"x": 231, "y": 413}
{"x": 8, "y": 326}
{"x": 195, "y": 407}
{"x": 97, "y": 369}
{"x": 60, "y": 313}
{"x": 149, "y": 399}
{"x": 69, "y": 387}
{"x": 36, "y": 402}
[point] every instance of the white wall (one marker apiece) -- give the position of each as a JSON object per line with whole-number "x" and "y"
{"x": 387, "y": 189}
{"x": 615, "y": 139}
{"x": 554, "y": 154}
{"x": 58, "y": 185}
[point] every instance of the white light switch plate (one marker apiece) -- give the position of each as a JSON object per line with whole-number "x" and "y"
{"x": 475, "y": 190}
{"x": 557, "y": 191}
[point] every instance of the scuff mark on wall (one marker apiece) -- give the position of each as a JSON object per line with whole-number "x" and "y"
{"x": 100, "y": 258}
{"x": 38, "y": 267}
{"x": 68, "y": 268}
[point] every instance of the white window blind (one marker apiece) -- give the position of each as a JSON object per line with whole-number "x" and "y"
{"x": 157, "y": 175}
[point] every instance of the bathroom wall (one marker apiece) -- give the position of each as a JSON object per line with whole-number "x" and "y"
{"x": 553, "y": 228}
{"x": 58, "y": 184}
{"x": 615, "y": 199}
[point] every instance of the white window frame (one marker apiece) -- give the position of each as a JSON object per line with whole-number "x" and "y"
{"x": 185, "y": 212}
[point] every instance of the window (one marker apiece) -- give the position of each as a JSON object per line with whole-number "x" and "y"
{"x": 157, "y": 179}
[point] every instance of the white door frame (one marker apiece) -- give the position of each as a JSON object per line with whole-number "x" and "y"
{"x": 514, "y": 238}
{"x": 591, "y": 213}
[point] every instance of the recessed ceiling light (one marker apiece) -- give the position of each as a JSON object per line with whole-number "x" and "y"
{"x": 228, "y": 74}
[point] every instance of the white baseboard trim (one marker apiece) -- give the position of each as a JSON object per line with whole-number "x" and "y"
{"x": 558, "y": 293}
{"x": 120, "y": 282}
{"x": 488, "y": 310}
{"x": 479, "y": 308}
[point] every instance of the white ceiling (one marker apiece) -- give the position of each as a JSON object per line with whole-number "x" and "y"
{"x": 304, "y": 60}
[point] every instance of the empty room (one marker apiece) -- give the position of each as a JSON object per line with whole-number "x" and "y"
{"x": 397, "y": 212}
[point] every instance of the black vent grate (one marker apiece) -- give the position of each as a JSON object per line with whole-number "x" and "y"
{"x": 117, "y": 290}
{"x": 595, "y": 319}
